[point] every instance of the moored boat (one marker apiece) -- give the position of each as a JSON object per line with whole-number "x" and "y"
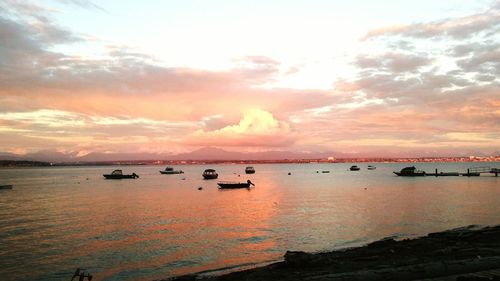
{"x": 370, "y": 167}
{"x": 249, "y": 170}
{"x": 210, "y": 174}
{"x": 6, "y": 186}
{"x": 171, "y": 171}
{"x": 410, "y": 172}
{"x": 354, "y": 168}
{"x": 118, "y": 174}
{"x": 229, "y": 184}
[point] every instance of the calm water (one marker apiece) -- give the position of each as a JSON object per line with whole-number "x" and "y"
{"x": 58, "y": 219}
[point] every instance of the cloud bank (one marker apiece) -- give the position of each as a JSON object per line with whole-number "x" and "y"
{"x": 432, "y": 86}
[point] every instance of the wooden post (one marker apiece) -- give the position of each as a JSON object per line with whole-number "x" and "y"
{"x": 436, "y": 172}
{"x": 468, "y": 173}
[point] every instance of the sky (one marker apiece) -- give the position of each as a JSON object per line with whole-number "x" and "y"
{"x": 361, "y": 77}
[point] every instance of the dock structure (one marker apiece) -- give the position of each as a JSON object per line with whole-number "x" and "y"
{"x": 483, "y": 170}
{"x": 471, "y": 172}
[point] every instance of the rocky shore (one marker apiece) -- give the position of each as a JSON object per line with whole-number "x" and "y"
{"x": 468, "y": 253}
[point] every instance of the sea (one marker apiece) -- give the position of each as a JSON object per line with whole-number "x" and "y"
{"x": 58, "y": 219}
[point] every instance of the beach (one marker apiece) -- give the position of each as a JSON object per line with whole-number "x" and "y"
{"x": 468, "y": 253}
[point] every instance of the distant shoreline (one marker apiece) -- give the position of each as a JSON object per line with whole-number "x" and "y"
{"x": 27, "y": 163}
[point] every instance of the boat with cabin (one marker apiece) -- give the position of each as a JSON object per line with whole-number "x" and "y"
{"x": 118, "y": 174}
{"x": 370, "y": 167}
{"x": 230, "y": 184}
{"x": 410, "y": 172}
{"x": 249, "y": 170}
{"x": 354, "y": 168}
{"x": 171, "y": 171}
{"x": 210, "y": 174}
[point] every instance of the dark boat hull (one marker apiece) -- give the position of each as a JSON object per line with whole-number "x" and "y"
{"x": 171, "y": 172}
{"x": 249, "y": 172}
{"x": 409, "y": 175}
{"x": 233, "y": 185}
{"x": 119, "y": 177}
{"x": 210, "y": 177}
{"x": 7, "y": 186}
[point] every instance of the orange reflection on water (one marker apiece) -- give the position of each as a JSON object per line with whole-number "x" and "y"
{"x": 156, "y": 227}
{"x": 218, "y": 228}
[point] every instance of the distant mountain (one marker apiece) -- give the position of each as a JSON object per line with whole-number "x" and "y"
{"x": 44, "y": 156}
{"x": 102, "y": 157}
{"x": 51, "y": 156}
{"x": 206, "y": 153}
{"x": 213, "y": 153}
{"x": 11, "y": 156}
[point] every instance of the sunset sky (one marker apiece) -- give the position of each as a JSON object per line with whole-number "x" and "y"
{"x": 306, "y": 76}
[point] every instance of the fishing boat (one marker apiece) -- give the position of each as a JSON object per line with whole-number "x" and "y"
{"x": 171, "y": 171}
{"x": 6, "y": 186}
{"x": 210, "y": 174}
{"x": 249, "y": 170}
{"x": 354, "y": 168}
{"x": 370, "y": 167}
{"x": 230, "y": 184}
{"x": 410, "y": 172}
{"x": 118, "y": 174}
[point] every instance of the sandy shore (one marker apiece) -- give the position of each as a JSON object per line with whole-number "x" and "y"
{"x": 468, "y": 253}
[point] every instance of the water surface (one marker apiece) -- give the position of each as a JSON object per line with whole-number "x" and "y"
{"x": 58, "y": 219}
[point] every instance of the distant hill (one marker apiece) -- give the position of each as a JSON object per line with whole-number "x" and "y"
{"x": 213, "y": 153}
{"x": 206, "y": 153}
{"x": 22, "y": 163}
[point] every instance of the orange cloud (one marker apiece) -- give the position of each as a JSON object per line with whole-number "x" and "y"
{"x": 256, "y": 128}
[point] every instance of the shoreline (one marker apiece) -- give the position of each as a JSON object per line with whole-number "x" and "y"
{"x": 466, "y": 253}
{"x": 404, "y": 160}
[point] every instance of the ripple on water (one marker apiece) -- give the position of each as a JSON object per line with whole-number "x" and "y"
{"x": 160, "y": 226}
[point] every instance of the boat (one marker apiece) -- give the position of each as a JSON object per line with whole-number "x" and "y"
{"x": 210, "y": 174}
{"x": 249, "y": 170}
{"x": 171, "y": 171}
{"x": 6, "y": 186}
{"x": 410, "y": 172}
{"x": 230, "y": 184}
{"x": 118, "y": 174}
{"x": 354, "y": 168}
{"x": 370, "y": 167}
